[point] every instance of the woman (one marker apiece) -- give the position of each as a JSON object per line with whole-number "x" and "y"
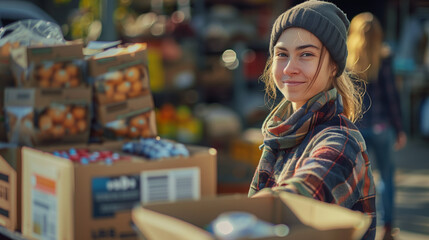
{"x": 311, "y": 146}
{"x": 381, "y": 124}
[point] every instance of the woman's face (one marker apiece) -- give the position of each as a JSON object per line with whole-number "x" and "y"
{"x": 295, "y": 62}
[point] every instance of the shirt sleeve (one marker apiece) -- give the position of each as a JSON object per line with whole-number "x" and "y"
{"x": 332, "y": 170}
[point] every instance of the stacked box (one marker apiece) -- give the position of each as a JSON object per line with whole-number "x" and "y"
{"x": 124, "y": 104}
{"x": 41, "y": 116}
{"x": 56, "y": 66}
{"x": 7, "y": 80}
{"x": 66, "y": 200}
{"x": 119, "y": 74}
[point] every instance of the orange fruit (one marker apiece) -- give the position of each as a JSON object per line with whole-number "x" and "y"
{"x": 138, "y": 122}
{"x": 132, "y": 74}
{"x": 81, "y": 125}
{"x": 68, "y": 121}
{"x": 115, "y": 77}
{"x": 45, "y": 71}
{"x": 45, "y": 123}
{"x": 72, "y": 70}
{"x": 61, "y": 76}
{"x": 133, "y": 132}
{"x": 57, "y": 114}
{"x": 44, "y": 83}
{"x": 74, "y": 82}
{"x": 58, "y": 131}
{"x": 78, "y": 112}
{"x": 119, "y": 97}
{"x": 124, "y": 87}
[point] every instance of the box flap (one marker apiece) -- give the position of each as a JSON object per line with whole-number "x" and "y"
{"x": 117, "y": 58}
{"x": 306, "y": 217}
{"x": 153, "y": 225}
{"x": 310, "y": 212}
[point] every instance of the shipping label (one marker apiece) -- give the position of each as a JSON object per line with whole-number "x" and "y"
{"x": 44, "y": 207}
{"x": 170, "y": 185}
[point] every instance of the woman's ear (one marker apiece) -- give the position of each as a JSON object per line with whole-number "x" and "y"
{"x": 334, "y": 71}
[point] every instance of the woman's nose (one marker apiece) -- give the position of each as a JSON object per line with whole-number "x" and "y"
{"x": 291, "y": 67}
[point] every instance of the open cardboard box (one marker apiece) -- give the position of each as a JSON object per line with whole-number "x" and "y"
{"x": 66, "y": 200}
{"x": 307, "y": 218}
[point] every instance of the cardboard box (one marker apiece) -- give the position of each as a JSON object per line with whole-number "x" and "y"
{"x": 119, "y": 73}
{"x": 94, "y": 201}
{"x": 37, "y": 116}
{"x": 129, "y": 119}
{"x": 6, "y": 81}
{"x": 10, "y": 187}
{"x": 306, "y": 218}
{"x": 54, "y": 66}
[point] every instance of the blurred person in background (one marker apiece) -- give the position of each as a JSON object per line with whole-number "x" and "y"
{"x": 311, "y": 146}
{"x": 381, "y": 124}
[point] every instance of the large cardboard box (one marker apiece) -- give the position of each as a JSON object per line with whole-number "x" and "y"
{"x": 10, "y": 187}
{"x": 41, "y": 116}
{"x": 306, "y": 218}
{"x": 62, "y": 200}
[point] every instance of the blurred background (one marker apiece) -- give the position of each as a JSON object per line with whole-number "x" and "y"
{"x": 205, "y": 58}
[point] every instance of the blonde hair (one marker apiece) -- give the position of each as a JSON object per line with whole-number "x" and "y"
{"x": 365, "y": 46}
{"x": 350, "y": 89}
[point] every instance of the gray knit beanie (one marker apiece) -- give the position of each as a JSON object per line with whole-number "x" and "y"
{"x": 325, "y": 20}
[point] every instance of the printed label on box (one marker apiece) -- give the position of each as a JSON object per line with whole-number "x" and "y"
{"x": 20, "y": 97}
{"x": 170, "y": 185}
{"x": 112, "y": 194}
{"x": 44, "y": 205}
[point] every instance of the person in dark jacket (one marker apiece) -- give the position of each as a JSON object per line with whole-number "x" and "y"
{"x": 311, "y": 145}
{"x": 381, "y": 124}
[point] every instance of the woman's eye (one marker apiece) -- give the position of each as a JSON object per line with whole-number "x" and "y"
{"x": 307, "y": 54}
{"x": 280, "y": 54}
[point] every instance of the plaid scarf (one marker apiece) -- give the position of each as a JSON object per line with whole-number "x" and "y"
{"x": 284, "y": 128}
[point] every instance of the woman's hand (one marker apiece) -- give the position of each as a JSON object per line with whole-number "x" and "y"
{"x": 263, "y": 193}
{"x": 401, "y": 141}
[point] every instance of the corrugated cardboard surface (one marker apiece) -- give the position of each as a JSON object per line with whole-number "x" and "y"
{"x": 10, "y": 188}
{"x": 307, "y": 218}
{"x": 75, "y": 194}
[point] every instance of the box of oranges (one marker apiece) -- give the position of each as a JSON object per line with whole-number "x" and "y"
{"x": 118, "y": 74}
{"x": 36, "y": 116}
{"x": 130, "y": 119}
{"x": 53, "y": 66}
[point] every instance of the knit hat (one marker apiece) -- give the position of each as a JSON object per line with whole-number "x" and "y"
{"x": 325, "y": 20}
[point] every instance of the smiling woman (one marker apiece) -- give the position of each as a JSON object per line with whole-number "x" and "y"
{"x": 296, "y": 58}
{"x": 311, "y": 146}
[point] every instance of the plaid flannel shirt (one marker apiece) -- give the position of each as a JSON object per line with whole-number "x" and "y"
{"x": 330, "y": 164}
